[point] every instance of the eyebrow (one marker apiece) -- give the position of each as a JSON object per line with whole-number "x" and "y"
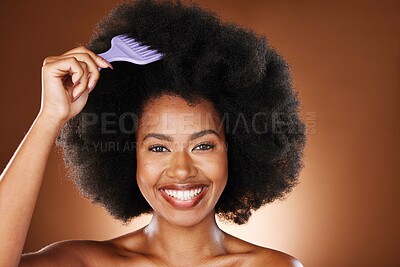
{"x": 190, "y": 138}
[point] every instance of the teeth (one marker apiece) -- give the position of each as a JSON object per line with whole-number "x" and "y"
{"x": 183, "y": 194}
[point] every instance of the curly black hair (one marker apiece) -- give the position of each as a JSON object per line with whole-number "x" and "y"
{"x": 248, "y": 82}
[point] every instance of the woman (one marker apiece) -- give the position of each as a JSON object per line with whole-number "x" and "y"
{"x": 212, "y": 128}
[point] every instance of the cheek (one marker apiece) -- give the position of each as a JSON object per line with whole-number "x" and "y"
{"x": 222, "y": 172}
{"x": 216, "y": 169}
{"x": 223, "y": 168}
{"x": 147, "y": 174}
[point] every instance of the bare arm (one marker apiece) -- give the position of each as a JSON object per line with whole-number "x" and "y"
{"x": 66, "y": 82}
{"x": 19, "y": 188}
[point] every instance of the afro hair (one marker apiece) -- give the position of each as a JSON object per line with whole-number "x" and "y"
{"x": 248, "y": 82}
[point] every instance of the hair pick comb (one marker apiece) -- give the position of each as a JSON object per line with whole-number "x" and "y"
{"x": 124, "y": 48}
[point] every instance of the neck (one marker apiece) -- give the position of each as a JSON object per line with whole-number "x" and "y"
{"x": 200, "y": 241}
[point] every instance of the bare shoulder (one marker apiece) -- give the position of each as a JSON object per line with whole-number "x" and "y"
{"x": 254, "y": 255}
{"x": 120, "y": 251}
{"x": 77, "y": 253}
{"x": 270, "y": 257}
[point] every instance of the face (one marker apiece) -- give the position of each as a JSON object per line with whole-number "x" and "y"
{"x": 182, "y": 165}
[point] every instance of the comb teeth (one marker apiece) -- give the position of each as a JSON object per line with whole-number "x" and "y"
{"x": 137, "y": 46}
{"x": 131, "y": 42}
{"x": 124, "y": 48}
{"x": 149, "y": 53}
{"x": 143, "y": 48}
{"x": 134, "y": 45}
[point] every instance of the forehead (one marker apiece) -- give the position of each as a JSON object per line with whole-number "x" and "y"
{"x": 172, "y": 115}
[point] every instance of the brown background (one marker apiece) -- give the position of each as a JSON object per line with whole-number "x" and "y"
{"x": 345, "y": 59}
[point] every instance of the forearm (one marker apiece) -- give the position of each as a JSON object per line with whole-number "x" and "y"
{"x": 66, "y": 81}
{"x": 20, "y": 185}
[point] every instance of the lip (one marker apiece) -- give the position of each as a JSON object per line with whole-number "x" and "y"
{"x": 184, "y": 204}
{"x": 183, "y": 186}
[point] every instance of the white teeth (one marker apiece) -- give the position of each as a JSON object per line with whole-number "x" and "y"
{"x": 183, "y": 194}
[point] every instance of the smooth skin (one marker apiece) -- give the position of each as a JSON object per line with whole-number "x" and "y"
{"x": 174, "y": 237}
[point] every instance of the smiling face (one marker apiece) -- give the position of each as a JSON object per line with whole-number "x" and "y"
{"x": 182, "y": 165}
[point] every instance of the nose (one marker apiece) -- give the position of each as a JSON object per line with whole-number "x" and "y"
{"x": 181, "y": 166}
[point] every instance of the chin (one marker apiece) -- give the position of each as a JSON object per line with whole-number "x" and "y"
{"x": 187, "y": 218}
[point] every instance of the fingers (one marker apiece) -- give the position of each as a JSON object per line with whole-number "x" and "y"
{"x": 101, "y": 62}
{"x": 81, "y": 84}
{"x": 57, "y": 70}
{"x": 90, "y": 68}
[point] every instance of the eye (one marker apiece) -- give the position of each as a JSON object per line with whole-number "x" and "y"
{"x": 157, "y": 149}
{"x": 204, "y": 146}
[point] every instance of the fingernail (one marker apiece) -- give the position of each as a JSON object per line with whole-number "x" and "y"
{"x": 76, "y": 84}
{"x": 76, "y": 97}
{"x": 108, "y": 64}
{"x": 92, "y": 85}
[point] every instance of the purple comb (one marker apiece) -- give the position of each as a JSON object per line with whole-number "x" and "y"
{"x": 124, "y": 48}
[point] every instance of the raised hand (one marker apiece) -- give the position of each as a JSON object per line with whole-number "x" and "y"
{"x": 67, "y": 81}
